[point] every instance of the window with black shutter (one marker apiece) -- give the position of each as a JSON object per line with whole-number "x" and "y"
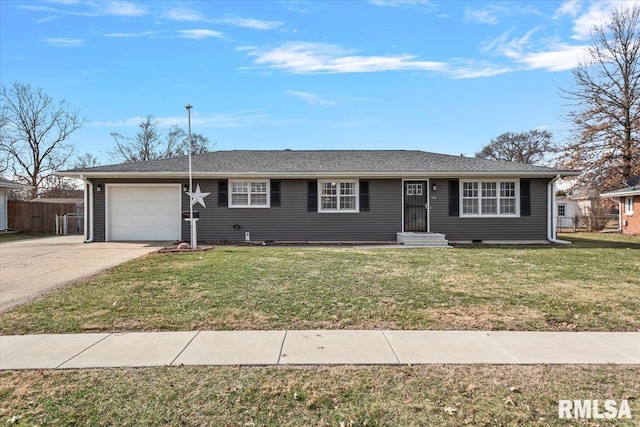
{"x": 312, "y": 196}
{"x": 454, "y": 198}
{"x": 223, "y": 193}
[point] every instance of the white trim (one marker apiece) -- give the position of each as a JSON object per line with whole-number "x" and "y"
{"x": 230, "y": 193}
{"x": 498, "y": 198}
{"x": 427, "y": 198}
{"x": 319, "y": 175}
{"x": 338, "y": 210}
{"x": 107, "y": 190}
{"x": 628, "y": 212}
{"x": 621, "y": 193}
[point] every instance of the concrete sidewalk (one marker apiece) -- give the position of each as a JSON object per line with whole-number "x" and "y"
{"x": 321, "y": 347}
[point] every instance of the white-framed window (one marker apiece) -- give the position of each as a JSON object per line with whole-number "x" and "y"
{"x": 414, "y": 189}
{"x": 336, "y": 195}
{"x": 562, "y": 209}
{"x": 628, "y": 205}
{"x": 249, "y": 194}
{"x": 490, "y": 198}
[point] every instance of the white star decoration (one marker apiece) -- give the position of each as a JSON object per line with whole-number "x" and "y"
{"x": 197, "y": 196}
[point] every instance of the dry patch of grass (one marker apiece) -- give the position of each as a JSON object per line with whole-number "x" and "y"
{"x": 587, "y": 286}
{"x": 475, "y": 395}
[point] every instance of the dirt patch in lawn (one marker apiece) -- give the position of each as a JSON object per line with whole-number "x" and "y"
{"x": 480, "y": 317}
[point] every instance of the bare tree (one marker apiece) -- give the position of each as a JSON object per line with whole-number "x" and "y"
{"x": 148, "y": 143}
{"x": 606, "y": 103}
{"x": 33, "y": 133}
{"x": 143, "y": 146}
{"x": 521, "y": 147}
{"x": 87, "y": 160}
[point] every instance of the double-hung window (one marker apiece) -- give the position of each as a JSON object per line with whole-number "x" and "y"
{"x": 249, "y": 194}
{"x": 338, "y": 196}
{"x": 489, "y": 198}
{"x": 628, "y": 205}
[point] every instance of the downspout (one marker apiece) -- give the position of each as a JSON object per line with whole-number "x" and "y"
{"x": 551, "y": 223}
{"x": 88, "y": 209}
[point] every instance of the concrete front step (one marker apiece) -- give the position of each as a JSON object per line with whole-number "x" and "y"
{"x": 435, "y": 240}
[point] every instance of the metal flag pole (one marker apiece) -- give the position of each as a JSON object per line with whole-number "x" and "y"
{"x": 194, "y": 235}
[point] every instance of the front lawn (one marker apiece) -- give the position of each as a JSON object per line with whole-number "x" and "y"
{"x": 13, "y": 237}
{"x": 592, "y": 285}
{"x": 475, "y": 395}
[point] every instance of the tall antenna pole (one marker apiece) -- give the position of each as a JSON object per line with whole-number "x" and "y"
{"x": 194, "y": 238}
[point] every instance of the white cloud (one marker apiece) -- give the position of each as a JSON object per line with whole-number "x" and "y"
{"x": 493, "y": 12}
{"x": 481, "y": 16}
{"x": 183, "y": 34}
{"x": 64, "y": 42}
{"x": 181, "y": 14}
{"x": 255, "y": 24}
{"x": 425, "y": 5}
{"x": 124, "y": 35}
{"x": 312, "y": 99}
{"x": 310, "y": 58}
{"x": 91, "y": 8}
{"x": 471, "y": 69}
{"x": 570, "y": 8}
{"x": 596, "y": 15}
{"x": 119, "y": 8}
{"x": 511, "y": 47}
{"x": 199, "y": 34}
{"x": 221, "y": 120}
{"x": 560, "y": 58}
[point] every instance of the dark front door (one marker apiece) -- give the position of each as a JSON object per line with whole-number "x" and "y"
{"x": 415, "y": 205}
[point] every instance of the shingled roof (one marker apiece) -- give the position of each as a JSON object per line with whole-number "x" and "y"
{"x": 311, "y": 163}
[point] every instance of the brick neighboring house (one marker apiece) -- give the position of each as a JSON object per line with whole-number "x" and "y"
{"x": 629, "y": 202}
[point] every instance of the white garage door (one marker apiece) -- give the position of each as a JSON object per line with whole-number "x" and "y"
{"x": 143, "y": 212}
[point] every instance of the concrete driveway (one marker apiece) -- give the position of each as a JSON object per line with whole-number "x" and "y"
{"x": 31, "y": 268}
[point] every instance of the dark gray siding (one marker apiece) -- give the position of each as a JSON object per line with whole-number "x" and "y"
{"x": 99, "y": 218}
{"x": 532, "y": 227}
{"x": 291, "y": 221}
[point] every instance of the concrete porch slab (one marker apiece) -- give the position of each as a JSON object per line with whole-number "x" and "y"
{"x": 556, "y": 348}
{"x": 336, "y": 347}
{"x": 133, "y": 350}
{"x": 451, "y": 347}
{"x": 233, "y": 348}
{"x": 43, "y": 351}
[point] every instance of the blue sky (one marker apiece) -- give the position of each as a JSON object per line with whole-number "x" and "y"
{"x": 443, "y": 76}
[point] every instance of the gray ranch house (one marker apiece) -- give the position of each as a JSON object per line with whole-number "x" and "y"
{"x": 323, "y": 195}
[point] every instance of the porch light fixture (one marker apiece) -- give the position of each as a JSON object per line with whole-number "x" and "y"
{"x": 99, "y": 188}
{"x": 185, "y": 188}
{"x": 434, "y": 187}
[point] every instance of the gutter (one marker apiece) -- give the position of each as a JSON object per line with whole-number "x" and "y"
{"x": 88, "y": 209}
{"x": 551, "y": 223}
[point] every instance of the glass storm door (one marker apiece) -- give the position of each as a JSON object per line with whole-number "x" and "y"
{"x": 415, "y": 205}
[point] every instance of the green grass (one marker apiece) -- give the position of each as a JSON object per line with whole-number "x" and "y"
{"x": 12, "y": 237}
{"x": 437, "y": 395}
{"x": 591, "y": 285}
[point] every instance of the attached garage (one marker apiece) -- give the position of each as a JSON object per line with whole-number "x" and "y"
{"x": 143, "y": 212}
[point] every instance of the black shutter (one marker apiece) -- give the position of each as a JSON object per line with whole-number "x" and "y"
{"x": 525, "y": 197}
{"x": 275, "y": 193}
{"x": 454, "y": 198}
{"x": 223, "y": 194}
{"x": 364, "y": 195}
{"x": 312, "y": 196}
